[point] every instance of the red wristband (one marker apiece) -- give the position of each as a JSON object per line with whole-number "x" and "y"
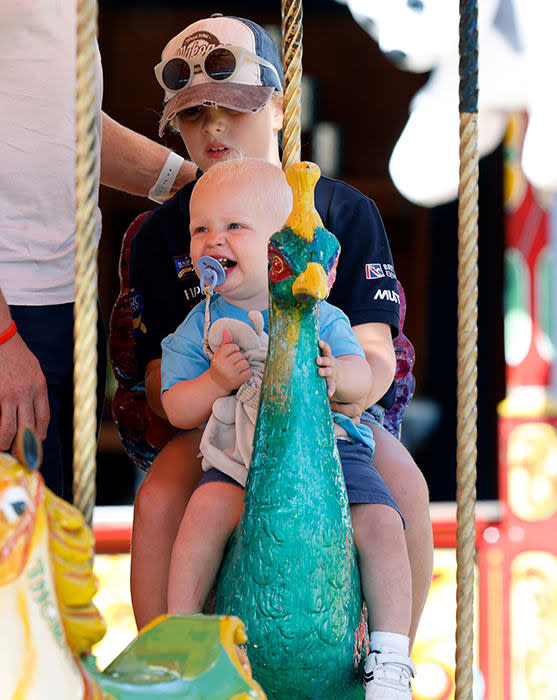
{"x": 8, "y": 333}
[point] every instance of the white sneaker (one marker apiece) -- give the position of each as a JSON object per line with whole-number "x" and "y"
{"x": 387, "y": 676}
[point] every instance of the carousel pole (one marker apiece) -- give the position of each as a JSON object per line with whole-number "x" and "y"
{"x": 291, "y": 13}
{"x": 85, "y": 311}
{"x": 467, "y": 351}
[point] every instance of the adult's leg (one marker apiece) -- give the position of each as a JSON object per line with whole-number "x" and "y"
{"x": 210, "y": 518}
{"x": 48, "y": 332}
{"x": 409, "y": 489}
{"x": 159, "y": 507}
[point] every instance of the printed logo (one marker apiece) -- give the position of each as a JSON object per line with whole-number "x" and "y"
{"x": 197, "y": 44}
{"x": 389, "y": 270}
{"x": 184, "y": 266}
{"x": 387, "y": 294}
{"x": 136, "y": 307}
{"x": 192, "y": 292}
{"x": 374, "y": 271}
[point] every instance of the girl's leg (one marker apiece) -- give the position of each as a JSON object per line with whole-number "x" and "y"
{"x": 159, "y": 507}
{"x": 384, "y": 566}
{"x": 210, "y": 518}
{"x": 409, "y": 489}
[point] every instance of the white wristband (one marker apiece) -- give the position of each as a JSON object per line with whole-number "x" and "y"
{"x": 161, "y": 189}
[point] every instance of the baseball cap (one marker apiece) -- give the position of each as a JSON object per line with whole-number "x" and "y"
{"x": 253, "y": 83}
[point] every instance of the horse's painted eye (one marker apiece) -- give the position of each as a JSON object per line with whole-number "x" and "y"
{"x": 13, "y": 504}
{"x": 279, "y": 269}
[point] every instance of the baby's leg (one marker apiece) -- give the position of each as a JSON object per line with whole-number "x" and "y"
{"x": 409, "y": 489}
{"x": 384, "y": 566}
{"x": 159, "y": 507}
{"x": 210, "y": 518}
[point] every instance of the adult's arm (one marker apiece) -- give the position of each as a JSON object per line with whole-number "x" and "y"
{"x": 132, "y": 162}
{"x": 23, "y": 393}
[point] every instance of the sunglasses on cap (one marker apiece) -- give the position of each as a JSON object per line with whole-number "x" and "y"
{"x": 220, "y": 64}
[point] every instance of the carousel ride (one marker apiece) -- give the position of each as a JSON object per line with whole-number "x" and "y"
{"x": 46, "y": 547}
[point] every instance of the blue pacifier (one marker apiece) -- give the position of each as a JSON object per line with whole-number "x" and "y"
{"x": 211, "y": 272}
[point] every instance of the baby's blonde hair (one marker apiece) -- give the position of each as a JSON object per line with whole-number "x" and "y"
{"x": 268, "y": 189}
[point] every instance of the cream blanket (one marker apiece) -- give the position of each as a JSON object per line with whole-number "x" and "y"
{"x": 227, "y": 442}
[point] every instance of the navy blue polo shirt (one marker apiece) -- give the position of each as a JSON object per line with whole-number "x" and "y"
{"x": 164, "y": 286}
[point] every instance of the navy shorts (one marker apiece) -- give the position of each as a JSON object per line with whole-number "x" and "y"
{"x": 364, "y": 484}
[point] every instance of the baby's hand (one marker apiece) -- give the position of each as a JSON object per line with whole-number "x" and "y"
{"x": 352, "y": 410}
{"x": 229, "y": 368}
{"x": 327, "y": 367}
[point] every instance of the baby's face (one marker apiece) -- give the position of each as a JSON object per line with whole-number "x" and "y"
{"x": 225, "y": 224}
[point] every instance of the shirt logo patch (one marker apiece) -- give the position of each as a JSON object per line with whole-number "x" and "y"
{"x": 389, "y": 271}
{"x": 136, "y": 307}
{"x": 387, "y": 294}
{"x": 184, "y": 266}
{"x": 192, "y": 292}
{"x": 374, "y": 271}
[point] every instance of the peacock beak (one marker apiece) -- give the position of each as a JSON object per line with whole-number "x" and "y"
{"x": 313, "y": 283}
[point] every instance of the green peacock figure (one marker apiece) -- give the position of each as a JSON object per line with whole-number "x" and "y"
{"x": 290, "y": 571}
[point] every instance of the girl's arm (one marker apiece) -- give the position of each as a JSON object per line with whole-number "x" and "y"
{"x": 377, "y": 343}
{"x": 153, "y": 387}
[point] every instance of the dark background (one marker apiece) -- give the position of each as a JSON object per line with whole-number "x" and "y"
{"x": 367, "y": 97}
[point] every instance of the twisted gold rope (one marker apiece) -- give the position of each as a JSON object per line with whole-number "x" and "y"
{"x": 85, "y": 311}
{"x": 467, "y": 350}
{"x": 467, "y": 395}
{"x": 292, "y": 62}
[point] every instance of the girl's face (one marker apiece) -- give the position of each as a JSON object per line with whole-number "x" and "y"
{"x": 213, "y": 134}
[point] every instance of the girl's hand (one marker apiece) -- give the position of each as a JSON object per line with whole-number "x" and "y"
{"x": 327, "y": 367}
{"x": 229, "y": 368}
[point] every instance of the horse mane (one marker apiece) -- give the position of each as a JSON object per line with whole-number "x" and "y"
{"x": 71, "y": 545}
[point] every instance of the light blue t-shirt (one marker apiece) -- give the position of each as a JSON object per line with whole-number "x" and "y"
{"x": 183, "y": 356}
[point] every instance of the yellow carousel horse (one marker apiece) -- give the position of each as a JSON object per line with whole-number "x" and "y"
{"x": 48, "y": 620}
{"x": 46, "y": 586}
